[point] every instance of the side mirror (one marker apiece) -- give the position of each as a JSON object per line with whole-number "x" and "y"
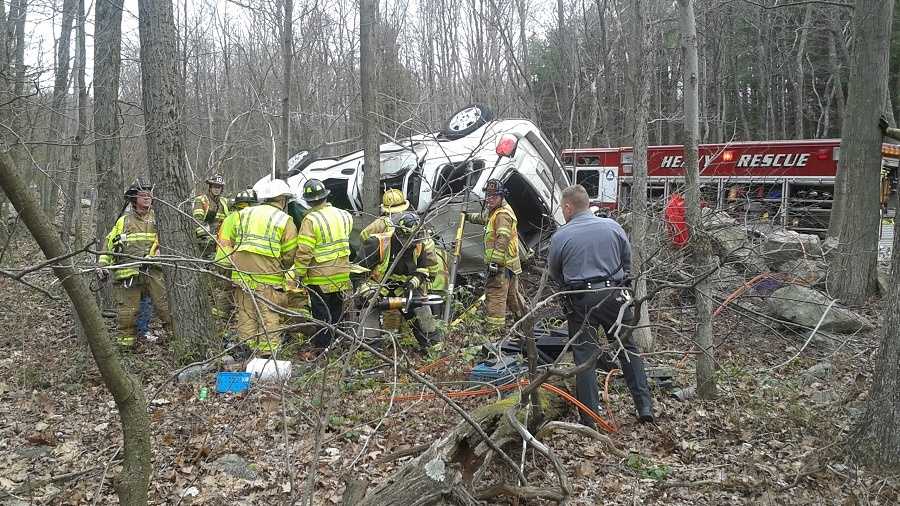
{"x": 506, "y": 145}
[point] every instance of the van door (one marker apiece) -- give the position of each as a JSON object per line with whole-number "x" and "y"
{"x": 601, "y": 183}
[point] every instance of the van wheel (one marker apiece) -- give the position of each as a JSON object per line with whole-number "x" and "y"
{"x": 467, "y": 120}
{"x": 300, "y": 161}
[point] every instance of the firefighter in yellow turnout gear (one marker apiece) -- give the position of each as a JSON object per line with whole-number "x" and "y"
{"x": 134, "y": 235}
{"x": 262, "y": 242}
{"x": 410, "y": 276}
{"x": 501, "y": 254}
{"x": 210, "y": 210}
{"x": 392, "y": 203}
{"x": 323, "y": 259}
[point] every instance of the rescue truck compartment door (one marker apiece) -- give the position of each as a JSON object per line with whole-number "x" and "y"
{"x": 601, "y": 183}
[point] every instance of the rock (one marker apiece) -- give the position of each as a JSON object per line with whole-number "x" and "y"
{"x": 194, "y": 372}
{"x": 805, "y": 306}
{"x": 235, "y": 465}
{"x": 820, "y": 371}
{"x": 805, "y": 270}
{"x": 32, "y": 452}
{"x": 822, "y": 396}
{"x": 784, "y": 245}
{"x": 732, "y": 245}
{"x": 713, "y": 219}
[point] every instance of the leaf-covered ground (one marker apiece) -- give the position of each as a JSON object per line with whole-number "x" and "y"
{"x": 773, "y": 436}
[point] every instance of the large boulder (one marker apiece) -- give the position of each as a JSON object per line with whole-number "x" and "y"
{"x": 783, "y": 245}
{"x": 805, "y": 306}
{"x": 805, "y": 271}
{"x": 731, "y": 242}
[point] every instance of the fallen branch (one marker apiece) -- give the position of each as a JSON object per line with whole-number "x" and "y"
{"x": 519, "y": 492}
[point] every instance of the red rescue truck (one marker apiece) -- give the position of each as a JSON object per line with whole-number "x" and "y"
{"x": 790, "y": 183}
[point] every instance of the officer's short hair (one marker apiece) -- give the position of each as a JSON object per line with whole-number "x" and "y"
{"x": 577, "y": 196}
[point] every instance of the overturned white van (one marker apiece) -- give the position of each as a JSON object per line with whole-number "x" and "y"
{"x": 444, "y": 172}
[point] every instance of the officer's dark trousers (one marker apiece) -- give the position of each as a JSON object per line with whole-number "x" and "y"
{"x": 589, "y": 311}
{"x": 327, "y": 307}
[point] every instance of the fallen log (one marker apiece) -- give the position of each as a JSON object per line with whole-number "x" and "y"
{"x": 448, "y": 472}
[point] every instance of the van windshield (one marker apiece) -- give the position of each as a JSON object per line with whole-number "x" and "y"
{"x": 396, "y": 162}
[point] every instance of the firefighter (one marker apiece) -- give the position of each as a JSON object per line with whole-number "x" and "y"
{"x": 409, "y": 276}
{"x": 210, "y": 210}
{"x": 262, "y": 241}
{"x": 134, "y": 235}
{"x": 501, "y": 255}
{"x": 323, "y": 260}
{"x": 392, "y": 202}
{"x": 438, "y": 273}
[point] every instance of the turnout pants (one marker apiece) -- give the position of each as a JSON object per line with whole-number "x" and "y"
{"x": 258, "y": 325}
{"x": 501, "y": 292}
{"x": 128, "y": 294}
{"x": 326, "y": 307}
{"x": 587, "y": 313}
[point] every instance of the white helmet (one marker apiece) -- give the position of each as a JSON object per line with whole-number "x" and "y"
{"x": 268, "y": 189}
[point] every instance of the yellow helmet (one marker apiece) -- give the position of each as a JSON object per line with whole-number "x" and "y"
{"x": 393, "y": 201}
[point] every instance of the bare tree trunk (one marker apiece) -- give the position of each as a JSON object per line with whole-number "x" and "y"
{"x": 126, "y": 390}
{"x": 875, "y": 439}
{"x": 798, "y": 62}
{"x": 57, "y": 121}
{"x": 72, "y": 216}
{"x": 851, "y": 273}
{"x": 287, "y": 53}
{"x": 700, "y": 247}
{"x": 162, "y": 93}
{"x": 107, "y": 172}
{"x": 371, "y": 194}
{"x": 641, "y": 69}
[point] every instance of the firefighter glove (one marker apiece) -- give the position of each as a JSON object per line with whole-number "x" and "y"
{"x": 412, "y": 283}
{"x": 367, "y": 292}
{"x": 493, "y": 269}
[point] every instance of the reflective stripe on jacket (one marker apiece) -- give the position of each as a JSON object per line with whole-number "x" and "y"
{"x": 323, "y": 248}
{"x": 501, "y": 237}
{"x": 261, "y": 231}
{"x": 438, "y": 272}
{"x": 380, "y": 225}
{"x": 201, "y": 209}
{"x": 134, "y": 236}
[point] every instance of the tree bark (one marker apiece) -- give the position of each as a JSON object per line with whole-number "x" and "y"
{"x": 700, "y": 245}
{"x": 162, "y": 92}
{"x": 287, "y": 54}
{"x": 126, "y": 390}
{"x": 851, "y": 273}
{"x": 371, "y": 187}
{"x": 107, "y": 172}
{"x": 57, "y": 121}
{"x": 641, "y": 69}
{"x": 72, "y": 216}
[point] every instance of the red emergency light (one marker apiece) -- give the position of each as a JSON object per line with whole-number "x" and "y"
{"x": 506, "y": 145}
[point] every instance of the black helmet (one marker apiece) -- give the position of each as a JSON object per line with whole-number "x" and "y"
{"x": 494, "y": 187}
{"x": 216, "y": 180}
{"x": 406, "y": 223}
{"x": 137, "y": 187}
{"x": 315, "y": 190}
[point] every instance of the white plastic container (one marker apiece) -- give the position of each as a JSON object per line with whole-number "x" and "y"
{"x": 268, "y": 369}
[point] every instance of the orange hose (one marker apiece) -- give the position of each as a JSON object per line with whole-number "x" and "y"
{"x": 609, "y": 410}
{"x": 466, "y": 394}
{"x": 427, "y": 367}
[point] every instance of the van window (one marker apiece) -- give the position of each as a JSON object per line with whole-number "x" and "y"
{"x": 590, "y": 179}
{"x": 453, "y": 178}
